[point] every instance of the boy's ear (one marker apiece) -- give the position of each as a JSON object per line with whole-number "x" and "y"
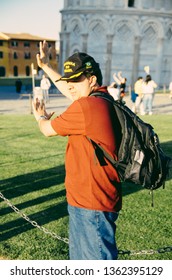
{"x": 93, "y": 80}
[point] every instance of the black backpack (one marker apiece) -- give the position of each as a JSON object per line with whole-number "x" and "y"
{"x": 141, "y": 159}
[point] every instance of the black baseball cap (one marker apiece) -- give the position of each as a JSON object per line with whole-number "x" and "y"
{"x": 78, "y": 64}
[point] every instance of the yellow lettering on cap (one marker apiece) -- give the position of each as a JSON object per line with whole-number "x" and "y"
{"x": 69, "y": 63}
{"x": 68, "y": 70}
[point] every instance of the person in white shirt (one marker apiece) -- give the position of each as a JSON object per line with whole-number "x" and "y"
{"x": 148, "y": 88}
{"x": 45, "y": 85}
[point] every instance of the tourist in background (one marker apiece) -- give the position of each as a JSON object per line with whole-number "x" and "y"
{"x": 45, "y": 85}
{"x": 18, "y": 85}
{"x": 121, "y": 81}
{"x": 138, "y": 89}
{"x": 148, "y": 88}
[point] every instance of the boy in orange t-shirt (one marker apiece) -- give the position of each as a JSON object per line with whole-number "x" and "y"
{"x": 93, "y": 188}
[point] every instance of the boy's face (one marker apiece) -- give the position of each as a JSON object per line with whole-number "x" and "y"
{"x": 80, "y": 88}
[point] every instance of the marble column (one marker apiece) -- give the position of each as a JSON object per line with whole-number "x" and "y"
{"x": 138, "y": 4}
{"x": 159, "y": 61}
{"x": 67, "y": 51}
{"x": 136, "y": 55}
{"x": 125, "y": 4}
{"x": 108, "y": 66}
{"x": 65, "y": 3}
{"x": 60, "y": 63}
{"x": 84, "y": 42}
{"x": 64, "y": 49}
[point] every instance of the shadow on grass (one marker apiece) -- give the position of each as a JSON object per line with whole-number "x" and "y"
{"x": 37, "y": 181}
{"x": 20, "y": 225}
{"x": 28, "y": 184}
{"x": 167, "y": 148}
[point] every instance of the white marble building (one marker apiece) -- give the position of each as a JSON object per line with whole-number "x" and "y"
{"x": 121, "y": 35}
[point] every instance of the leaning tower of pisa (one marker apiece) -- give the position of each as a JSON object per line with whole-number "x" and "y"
{"x": 121, "y": 35}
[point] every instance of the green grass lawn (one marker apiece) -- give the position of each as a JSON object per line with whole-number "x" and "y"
{"x": 32, "y": 178}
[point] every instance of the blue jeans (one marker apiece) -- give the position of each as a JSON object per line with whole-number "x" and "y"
{"x": 92, "y": 234}
{"x": 147, "y": 102}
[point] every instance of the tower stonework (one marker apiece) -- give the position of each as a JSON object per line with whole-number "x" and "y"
{"x": 121, "y": 35}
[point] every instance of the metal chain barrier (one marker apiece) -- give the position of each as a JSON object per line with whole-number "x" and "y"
{"x": 54, "y": 235}
{"x": 33, "y": 223}
{"x": 146, "y": 252}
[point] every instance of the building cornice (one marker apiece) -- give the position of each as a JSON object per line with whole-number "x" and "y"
{"x": 22, "y": 36}
{"x": 150, "y": 12}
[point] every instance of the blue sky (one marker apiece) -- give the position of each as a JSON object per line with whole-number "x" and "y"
{"x": 37, "y": 17}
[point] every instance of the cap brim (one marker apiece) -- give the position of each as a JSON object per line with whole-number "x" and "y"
{"x": 73, "y": 77}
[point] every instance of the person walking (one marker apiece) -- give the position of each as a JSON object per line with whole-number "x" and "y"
{"x": 148, "y": 88}
{"x": 93, "y": 188}
{"x": 45, "y": 85}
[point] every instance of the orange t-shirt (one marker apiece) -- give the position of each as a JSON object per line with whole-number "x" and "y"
{"x": 88, "y": 184}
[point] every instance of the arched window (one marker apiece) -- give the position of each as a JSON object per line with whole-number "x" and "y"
{"x": 15, "y": 56}
{"x": 27, "y": 71}
{"x": 15, "y": 71}
{"x": 2, "y": 71}
{"x": 14, "y": 43}
{"x": 131, "y": 3}
{"x": 26, "y": 44}
{"x": 75, "y": 50}
{"x": 27, "y": 55}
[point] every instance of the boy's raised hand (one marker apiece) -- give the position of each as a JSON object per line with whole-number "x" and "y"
{"x": 43, "y": 56}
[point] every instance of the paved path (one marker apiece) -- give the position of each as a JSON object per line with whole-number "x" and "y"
{"x": 162, "y": 104}
{"x": 23, "y": 106}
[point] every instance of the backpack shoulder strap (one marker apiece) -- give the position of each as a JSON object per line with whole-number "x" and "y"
{"x": 103, "y": 152}
{"x": 104, "y": 95}
{"x": 96, "y": 146}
